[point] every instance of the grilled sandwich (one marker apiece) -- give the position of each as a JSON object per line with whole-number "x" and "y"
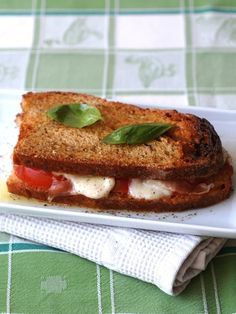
{"x": 117, "y": 161}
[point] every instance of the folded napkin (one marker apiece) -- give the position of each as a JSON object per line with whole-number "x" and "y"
{"x": 166, "y": 260}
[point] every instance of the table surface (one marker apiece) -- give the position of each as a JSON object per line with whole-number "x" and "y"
{"x": 168, "y": 52}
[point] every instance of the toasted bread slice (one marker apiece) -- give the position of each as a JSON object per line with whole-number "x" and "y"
{"x": 176, "y": 202}
{"x": 190, "y": 149}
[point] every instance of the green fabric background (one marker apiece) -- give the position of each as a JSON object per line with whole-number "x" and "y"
{"x": 39, "y": 279}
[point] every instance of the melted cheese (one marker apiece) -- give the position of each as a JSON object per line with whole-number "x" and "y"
{"x": 148, "y": 189}
{"x": 90, "y": 186}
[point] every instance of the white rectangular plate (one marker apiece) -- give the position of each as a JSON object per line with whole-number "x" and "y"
{"x": 218, "y": 220}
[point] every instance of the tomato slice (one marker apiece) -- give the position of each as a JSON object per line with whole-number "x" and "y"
{"x": 34, "y": 177}
{"x": 53, "y": 184}
{"x": 121, "y": 186}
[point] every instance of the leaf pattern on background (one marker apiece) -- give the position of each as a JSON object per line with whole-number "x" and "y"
{"x": 226, "y": 33}
{"x": 78, "y": 32}
{"x": 8, "y": 72}
{"x": 150, "y": 68}
{"x": 222, "y": 30}
{"x": 54, "y": 284}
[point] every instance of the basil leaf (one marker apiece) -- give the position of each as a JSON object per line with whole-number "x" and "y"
{"x": 75, "y": 115}
{"x": 137, "y": 133}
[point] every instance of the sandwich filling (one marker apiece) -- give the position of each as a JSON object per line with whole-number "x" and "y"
{"x": 90, "y": 186}
{"x": 95, "y": 187}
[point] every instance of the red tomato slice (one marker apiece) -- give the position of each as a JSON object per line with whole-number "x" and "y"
{"x": 55, "y": 185}
{"x": 121, "y": 186}
{"x": 34, "y": 177}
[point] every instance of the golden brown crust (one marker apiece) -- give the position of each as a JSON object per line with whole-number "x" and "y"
{"x": 177, "y": 202}
{"x": 191, "y": 149}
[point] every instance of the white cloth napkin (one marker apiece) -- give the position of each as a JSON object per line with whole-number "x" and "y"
{"x": 167, "y": 260}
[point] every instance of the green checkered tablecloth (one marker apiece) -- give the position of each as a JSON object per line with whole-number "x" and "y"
{"x": 173, "y": 52}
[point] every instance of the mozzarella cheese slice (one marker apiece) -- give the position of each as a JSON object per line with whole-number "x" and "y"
{"x": 148, "y": 189}
{"x": 91, "y": 186}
